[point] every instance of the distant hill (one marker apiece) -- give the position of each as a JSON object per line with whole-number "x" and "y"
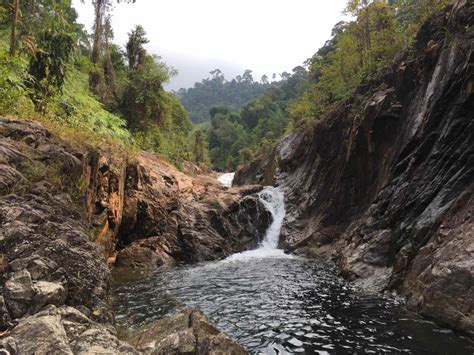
{"x": 216, "y": 90}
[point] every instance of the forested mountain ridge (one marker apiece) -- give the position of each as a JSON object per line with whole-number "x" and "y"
{"x": 236, "y": 137}
{"x": 357, "y": 51}
{"x": 216, "y": 90}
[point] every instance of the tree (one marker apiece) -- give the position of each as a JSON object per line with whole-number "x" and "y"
{"x": 201, "y": 153}
{"x": 247, "y": 76}
{"x": 101, "y": 16}
{"x": 14, "y": 22}
{"x": 47, "y": 67}
{"x": 134, "y": 47}
{"x": 215, "y": 90}
{"x": 143, "y": 100}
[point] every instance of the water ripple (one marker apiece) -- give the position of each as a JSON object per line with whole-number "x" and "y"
{"x": 285, "y": 305}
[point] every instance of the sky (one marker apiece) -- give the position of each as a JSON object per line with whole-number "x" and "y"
{"x": 197, "y": 36}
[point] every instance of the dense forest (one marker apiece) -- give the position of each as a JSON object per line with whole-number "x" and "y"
{"x": 87, "y": 87}
{"x": 216, "y": 90}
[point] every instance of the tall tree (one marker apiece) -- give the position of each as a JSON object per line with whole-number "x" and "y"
{"x": 101, "y": 16}
{"x": 134, "y": 47}
{"x": 14, "y": 24}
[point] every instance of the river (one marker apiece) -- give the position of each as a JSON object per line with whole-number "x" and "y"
{"x": 274, "y": 303}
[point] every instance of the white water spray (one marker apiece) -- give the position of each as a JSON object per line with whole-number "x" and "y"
{"x": 274, "y": 201}
{"x": 226, "y": 179}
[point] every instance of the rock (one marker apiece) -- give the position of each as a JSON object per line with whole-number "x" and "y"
{"x": 146, "y": 253}
{"x": 187, "y": 332}
{"x": 295, "y": 342}
{"x": 48, "y": 293}
{"x": 383, "y": 184}
{"x": 63, "y": 330}
{"x": 41, "y": 335}
{"x": 54, "y": 253}
{"x": 172, "y": 217}
{"x": 18, "y": 293}
{"x": 5, "y": 320}
{"x": 8, "y": 177}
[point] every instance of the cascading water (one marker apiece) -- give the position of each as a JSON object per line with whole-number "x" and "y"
{"x": 226, "y": 179}
{"x": 274, "y": 200}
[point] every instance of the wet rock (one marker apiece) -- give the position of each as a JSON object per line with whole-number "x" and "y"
{"x": 187, "y": 332}
{"x": 146, "y": 253}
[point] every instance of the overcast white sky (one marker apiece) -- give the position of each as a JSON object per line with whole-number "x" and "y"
{"x": 197, "y": 36}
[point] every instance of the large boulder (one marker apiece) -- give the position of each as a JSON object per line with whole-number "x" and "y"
{"x": 187, "y": 332}
{"x": 171, "y": 217}
{"x": 62, "y": 330}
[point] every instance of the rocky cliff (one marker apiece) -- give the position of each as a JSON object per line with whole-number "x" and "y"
{"x": 384, "y": 183}
{"x": 65, "y": 211}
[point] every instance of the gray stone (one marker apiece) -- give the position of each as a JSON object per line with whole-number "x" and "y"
{"x": 5, "y": 320}
{"x": 48, "y": 293}
{"x": 41, "y": 335}
{"x": 18, "y": 293}
{"x": 187, "y": 332}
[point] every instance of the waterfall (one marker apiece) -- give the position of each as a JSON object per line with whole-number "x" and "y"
{"x": 226, "y": 179}
{"x": 274, "y": 201}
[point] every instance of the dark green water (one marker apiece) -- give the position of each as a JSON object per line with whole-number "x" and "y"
{"x": 285, "y": 305}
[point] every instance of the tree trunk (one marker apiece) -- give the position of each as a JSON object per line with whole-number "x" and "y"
{"x": 94, "y": 76}
{"x": 15, "y": 12}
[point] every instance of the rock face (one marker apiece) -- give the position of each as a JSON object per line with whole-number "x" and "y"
{"x": 45, "y": 241}
{"x": 187, "y": 332}
{"x": 171, "y": 217}
{"x": 63, "y": 211}
{"x": 384, "y": 183}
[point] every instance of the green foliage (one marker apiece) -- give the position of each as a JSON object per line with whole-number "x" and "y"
{"x": 12, "y": 88}
{"x": 201, "y": 148}
{"x": 77, "y": 107}
{"x": 47, "y": 68}
{"x": 143, "y": 100}
{"x": 50, "y": 82}
{"x": 236, "y": 138}
{"x": 135, "y": 52}
{"x": 359, "y": 50}
{"x": 226, "y": 138}
{"x": 216, "y": 90}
